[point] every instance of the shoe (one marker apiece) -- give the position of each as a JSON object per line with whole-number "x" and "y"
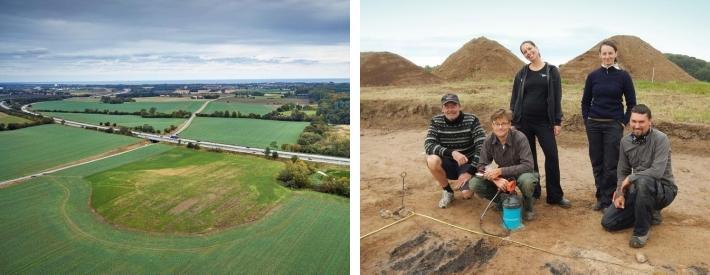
{"x": 638, "y": 241}
{"x": 656, "y": 217}
{"x": 446, "y": 198}
{"x": 564, "y": 203}
{"x": 529, "y": 215}
{"x": 599, "y": 206}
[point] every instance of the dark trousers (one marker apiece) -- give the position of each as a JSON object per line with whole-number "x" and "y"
{"x": 544, "y": 132}
{"x": 643, "y": 196}
{"x": 604, "y": 138}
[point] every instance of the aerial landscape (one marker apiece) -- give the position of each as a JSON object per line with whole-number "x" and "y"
{"x": 200, "y": 152}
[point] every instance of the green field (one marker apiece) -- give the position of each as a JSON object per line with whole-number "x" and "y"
{"x": 188, "y": 191}
{"x": 244, "y": 108}
{"x": 242, "y": 131}
{"x": 48, "y": 227}
{"x": 161, "y": 106}
{"x": 308, "y": 112}
{"x": 7, "y": 119}
{"x": 120, "y": 120}
{"x": 30, "y": 150}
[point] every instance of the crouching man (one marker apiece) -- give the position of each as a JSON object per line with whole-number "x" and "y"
{"x": 509, "y": 148}
{"x": 452, "y": 145}
{"x": 645, "y": 179}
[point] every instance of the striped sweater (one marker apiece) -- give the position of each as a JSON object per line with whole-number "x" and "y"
{"x": 463, "y": 134}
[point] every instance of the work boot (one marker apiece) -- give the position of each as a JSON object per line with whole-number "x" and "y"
{"x": 638, "y": 241}
{"x": 529, "y": 215}
{"x": 564, "y": 203}
{"x": 446, "y": 198}
{"x": 656, "y": 217}
{"x": 599, "y": 206}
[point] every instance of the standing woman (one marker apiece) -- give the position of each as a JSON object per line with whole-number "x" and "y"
{"x": 537, "y": 113}
{"x": 604, "y": 118}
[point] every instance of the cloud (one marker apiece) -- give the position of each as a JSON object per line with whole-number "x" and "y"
{"x": 43, "y": 38}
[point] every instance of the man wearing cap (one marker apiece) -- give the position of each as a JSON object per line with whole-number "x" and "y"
{"x": 452, "y": 146}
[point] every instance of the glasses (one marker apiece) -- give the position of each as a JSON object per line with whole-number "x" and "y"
{"x": 500, "y": 125}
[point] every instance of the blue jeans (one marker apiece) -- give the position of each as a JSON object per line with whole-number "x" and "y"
{"x": 604, "y": 138}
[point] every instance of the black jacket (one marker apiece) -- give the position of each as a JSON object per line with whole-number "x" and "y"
{"x": 554, "y": 94}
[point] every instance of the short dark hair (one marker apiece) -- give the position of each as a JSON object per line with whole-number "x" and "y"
{"x": 502, "y": 113}
{"x": 642, "y": 109}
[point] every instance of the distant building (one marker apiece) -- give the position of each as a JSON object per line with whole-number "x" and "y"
{"x": 182, "y": 91}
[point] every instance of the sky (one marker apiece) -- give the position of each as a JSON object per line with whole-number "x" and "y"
{"x": 427, "y": 32}
{"x": 105, "y": 40}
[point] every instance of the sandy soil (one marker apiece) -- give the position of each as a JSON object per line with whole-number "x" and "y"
{"x": 420, "y": 245}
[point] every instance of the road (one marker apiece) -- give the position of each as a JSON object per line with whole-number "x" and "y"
{"x": 205, "y": 144}
{"x": 187, "y": 123}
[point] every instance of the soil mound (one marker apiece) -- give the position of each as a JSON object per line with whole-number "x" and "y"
{"x": 480, "y": 58}
{"x": 389, "y": 69}
{"x": 636, "y": 56}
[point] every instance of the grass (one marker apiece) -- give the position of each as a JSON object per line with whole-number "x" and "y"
{"x": 671, "y": 102}
{"x": 120, "y": 120}
{"x": 7, "y": 119}
{"x": 164, "y": 107}
{"x": 308, "y": 112}
{"x": 330, "y": 170}
{"x": 187, "y": 191}
{"x": 33, "y": 149}
{"x": 49, "y": 228}
{"x": 257, "y": 133}
{"x": 244, "y": 108}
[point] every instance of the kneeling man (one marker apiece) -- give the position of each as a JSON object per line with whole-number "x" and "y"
{"x": 509, "y": 148}
{"x": 644, "y": 179}
{"x": 452, "y": 145}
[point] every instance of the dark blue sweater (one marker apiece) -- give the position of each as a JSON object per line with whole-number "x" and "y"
{"x": 602, "y": 95}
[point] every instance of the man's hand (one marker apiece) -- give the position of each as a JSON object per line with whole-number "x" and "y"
{"x": 460, "y": 158}
{"x": 493, "y": 174}
{"x": 557, "y": 129}
{"x": 463, "y": 179}
{"x": 619, "y": 201}
{"x": 501, "y": 183}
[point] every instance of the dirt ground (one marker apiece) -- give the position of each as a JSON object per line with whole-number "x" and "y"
{"x": 420, "y": 245}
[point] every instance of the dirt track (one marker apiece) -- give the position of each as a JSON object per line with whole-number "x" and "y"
{"x": 419, "y": 245}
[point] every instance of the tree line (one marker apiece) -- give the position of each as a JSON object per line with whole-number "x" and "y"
{"x": 144, "y": 113}
{"x": 698, "y": 68}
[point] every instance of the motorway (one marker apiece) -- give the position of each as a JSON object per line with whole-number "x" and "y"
{"x": 203, "y": 144}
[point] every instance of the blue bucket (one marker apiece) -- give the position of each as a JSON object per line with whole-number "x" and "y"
{"x": 512, "y": 213}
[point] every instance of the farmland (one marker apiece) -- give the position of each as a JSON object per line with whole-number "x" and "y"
{"x": 38, "y": 148}
{"x": 6, "y": 119}
{"x": 53, "y": 230}
{"x": 163, "y": 107}
{"x": 187, "y": 191}
{"x": 244, "y": 108}
{"x": 120, "y": 120}
{"x": 241, "y": 131}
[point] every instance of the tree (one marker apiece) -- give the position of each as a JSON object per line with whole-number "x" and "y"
{"x": 294, "y": 158}
{"x": 308, "y": 138}
{"x": 275, "y": 154}
{"x": 295, "y": 175}
{"x": 267, "y": 152}
{"x": 274, "y": 145}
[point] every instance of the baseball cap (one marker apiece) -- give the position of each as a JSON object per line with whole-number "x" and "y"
{"x": 449, "y": 98}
